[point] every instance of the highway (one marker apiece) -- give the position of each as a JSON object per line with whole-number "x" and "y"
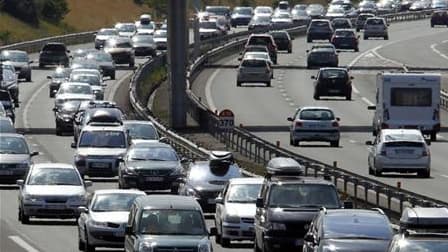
{"x": 412, "y": 43}
{"x": 35, "y": 114}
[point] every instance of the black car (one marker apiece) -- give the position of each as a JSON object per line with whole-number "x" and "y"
{"x": 319, "y": 29}
{"x": 105, "y": 62}
{"x": 54, "y": 53}
{"x": 64, "y": 116}
{"x": 349, "y": 230}
{"x": 332, "y": 82}
{"x": 341, "y": 23}
{"x": 241, "y": 16}
{"x": 151, "y": 165}
{"x": 8, "y": 104}
{"x": 439, "y": 17}
{"x": 361, "y": 20}
{"x": 286, "y": 205}
{"x": 59, "y": 76}
{"x": 322, "y": 56}
{"x": 282, "y": 40}
{"x": 206, "y": 179}
{"x": 144, "y": 45}
{"x": 20, "y": 61}
{"x": 345, "y": 39}
{"x": 121, "y": 50}
{"x": 262, "y": 23}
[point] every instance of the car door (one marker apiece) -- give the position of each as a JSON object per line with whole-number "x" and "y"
{"x": 372, "y": 150}
{"x": 221, "y": 208}
{"x": 130, "y": 240}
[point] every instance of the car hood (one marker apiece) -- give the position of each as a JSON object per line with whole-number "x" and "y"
{"x": 240, "y": 209}
{"x": 14, "y": 158}
{"x": 360, "y": 245}
{"x": 148, "y": 165}
{"x": 101, "y": 151}
{"x": 74, "y": 96}
{"x": 115, "y": 217}
{"x": 53, "y": 190}
{"x": 214, "y": 185}
{"x": 292, "y": 214}
{"x": 175, "y": 240}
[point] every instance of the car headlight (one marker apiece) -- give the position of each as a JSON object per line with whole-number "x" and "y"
{"x": 176, "y": 172}
{"x": 80, "y": 158}
{"x": 278, "y": 226}
{"x": 97, "y": 223}
{"x": 191, "y": 192}
{"x": 205, "y": 246}
{"x": 25, "y": 164}
{"x": 232, "y": 218}
{"x": 32, "y": 198}
{"x": 146, "y": 247}
{"x": 130, "y": 170}
{"x": 77, "y": 199}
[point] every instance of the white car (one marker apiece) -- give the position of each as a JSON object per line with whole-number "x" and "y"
{"x": 73, "y": 91}
{"x": 254, "y": 71}
{"x": 160, "y": 38}
{"x": 103, "y": 223}
{"x": 399, "y": 150}
{"x": 51, "y": 190}
{"x": 314, "y": 124}
{"x": 93, "y": 80}
{"x": 235, "y": 210}
{"x": 126, "y": 29}
{"x": 263, "y": 11}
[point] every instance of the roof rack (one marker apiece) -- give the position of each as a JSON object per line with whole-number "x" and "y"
{"x": 425, "y": 218}
{"x": 283, "y": 166}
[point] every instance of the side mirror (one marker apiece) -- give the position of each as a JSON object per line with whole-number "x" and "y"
{"x": 428, "y": 141}
{"x": 348, "y": 205}
{"x": 73, "y": 145}
{"x": 49, "y": 77}
{"x": 83, "y": 209}
{"x": 55, "y": 109}
{"x": 371, "y": 107}
{"x": 219, "y": 200}
{"x": 128, "y": 230}
{"x": 259, "y": 202}
{"x": 309, "y": 238}
{"x": 351, "y": 77}
{"x": 369, "y": 143}
{"x": 213, "y": 231}
{"x": 290, "y": 119}
{"x": 34, "y": 153}
{"x": 31, "y": 61}
{"x": 88, "y": 183}
{"x": 313, "y": 77}
{"x": 20, "y": 182}
{"x": 338, "y": 119}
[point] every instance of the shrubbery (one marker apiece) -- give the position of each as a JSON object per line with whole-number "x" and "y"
{"x": 30, "y": 10}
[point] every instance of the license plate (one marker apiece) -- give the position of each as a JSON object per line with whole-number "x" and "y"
{"x": 404, "y": 151}
{"x": 154, "y": 179}
{"x": 3, "y": 172}
{"x": 211, "y": 201}
{"x": 333, "y": 91}
{"x": 99, "y": 165}
{"x": 55, "y": 206}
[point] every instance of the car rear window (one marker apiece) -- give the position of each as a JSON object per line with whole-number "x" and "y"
{"x": 53, "y": 47}
{"x": 316, "y": 114}
{"x": 319, "y": 24}
{"x": 375, "y": 21}
{"x": 260, "y": 41}
{"x": 404, "y": 144}
{"x": 303, "y": 195}
{"x": 403, "y": 137}
{"x": 414, "y": 97}
{"x": 334, "y": 73}
{"x": 345, "y": 33}
{"x": 254, "y": 63}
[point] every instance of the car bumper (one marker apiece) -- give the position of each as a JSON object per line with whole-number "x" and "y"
{"x": 238, "y": 231}
{"x": 106, "y": 237}
{"x": 122, "y": 58}
{"x": 144, "y": 51}
{"x": 255, "y": 77}
{"x": 240, "y": 21}
{"x": 53, "y": 61}
{"x": 375, "y": 33}
{"x": 345, "y": 45}
{"x": 315, "y": 135}
{"x": 161, "y": 46}
{"x": 65, "y": 124}
{"x": 98, "y": 167}
{"x": 149, "y": 182}
{"x": 402, "y": 165}
{"x": 9, "y": 176}
{"x": 45, "y": 210}
{"x": 282, "y": 243}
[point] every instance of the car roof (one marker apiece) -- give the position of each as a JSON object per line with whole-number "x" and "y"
{"x": 168, "y": 202}
{"x": 150, "y": 144}
{"x": 13, "y": 51}
{"x": 244, "y": 181}
{"x": 400, "y": 131}
{"x": 68, "y": 83}
{"x": 299, "y": 180}
{"x": 137, "y": 122}
{"x": 13, "y": 135}
{"x": 119, "y": 191}
{"x": 52, "y": 165}
{"x": 333, "y": 68}
{"x": 315, "y": 107}
{"x": 103, "y": 128}
{"x": 354, "y": 212}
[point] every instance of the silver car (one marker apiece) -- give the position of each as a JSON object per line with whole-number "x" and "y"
{"x": 20, "y": 61}
{"x": 399, "y": 150}
{"x": 160, "y": 37}
{"x": 235, "y": 210}
{"x": 73, "y": 91}
{"x": 93, "y": 80}
{"x": 139, "y": 129}
{"x": 314, "y": 124}
{"x": 376, "y": 27}
{"x": 102, "y": 224}
{"x": 15, "y": 157}
{"x": 254, "y": 70}
{"x": 51, "y": 190}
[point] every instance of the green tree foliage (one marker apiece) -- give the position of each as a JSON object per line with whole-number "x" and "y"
{"x": 159, "y": 8}
{"x": 22, "y": 9}
{"x": 53, "y": 10}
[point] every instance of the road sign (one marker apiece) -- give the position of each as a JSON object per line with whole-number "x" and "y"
{"x": 226, "y": 119}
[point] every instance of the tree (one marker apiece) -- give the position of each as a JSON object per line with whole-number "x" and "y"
{"x": 159, "y": 7}
{"x": 54, "y": 10}
{"x": 24, "y": 10}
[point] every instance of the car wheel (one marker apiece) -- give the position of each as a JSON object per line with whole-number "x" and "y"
{"x": 433, "y": 136}
{"x": 356, "y": 49}
{"x": 424, "y": 174}
{"x": 334, "y": 143}
{"x": 58, "y": 130}
{"x": 296, "y": 143}
{"x": 41, "y": 65}
{"x": 316, "y": 96}
{"x": 131, "y": 64}
{"x": 432, "y": 25}
{"x": 357, "y": 29}
{"x": 87, "y": 246}
{"x": 238, "y": 84}
{"x": 256, "y": 248}
{"x": 348, "y": 97}
{"x": 81, "y": 244}
{"x": 371, "y": 171}
{"x": 366, "y": 37}
{"x": 112, "y": 77}
{"x": 225, "y": 242}
{"x": 51, "y": 94}
{"x": 217, "y": 236}
{"x": 24, "y": 219}
{"x": 386, "y": 37}
{"x": 174, "y": 190}
{"x": 309, "y": 40}
{"x": 268, "y": 84}
{"x": 289, "y": 50}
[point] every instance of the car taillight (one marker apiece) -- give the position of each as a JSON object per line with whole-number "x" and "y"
{"x": 335, "y": 124}
{"x": 298, "y": 124}
{"x": 426, "y": 153}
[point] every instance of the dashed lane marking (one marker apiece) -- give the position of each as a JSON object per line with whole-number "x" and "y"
{"x": 22, "y": 243}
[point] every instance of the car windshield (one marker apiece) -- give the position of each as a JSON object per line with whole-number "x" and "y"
{"x": 152, "y": 153}
{"x": 279, "y": 35}
{"x": 13, "y": 145}
{"x": 142, "y": 131}
{"x": 100, "y": 57}
{"x": 253, "y": 63}
{"x": 126, "y": 28}
{"x": 336, "y": 10}
{"x": 102, "y": 139}
{"x": 203, "y": 172}
{"x": 254, "y": 55}
{"x": 118, "y": 202}
{"x": 108, "y": 32}
{"x": 319, "y": 24}
{"x": 75, "y": 89}
{"x": 6, "y": 124}
{"x": 334, "y": 74}
{"x": 218, "y": 11}
{"x": 143, "y": 39}
{"x": 403, "y": 137}
{"x": 90, "y": 79}
{"x": 303, "y": 195}
{"x": 421, "y": 245}
{"x": 375, "y": 21}
{"x": 243, "y": 193}
{"x": 356, "y": 226}
{"x": 54, "y": 176}
{"x": 263, "y": 10}
{"x": 14, "y": 56}
{"x": 316, "y": 114}
{"x": 208, "y": 25}
{"x": 243, "y": 11}
{"x": 172, "y": 222}
{"x": 343, "y": 33}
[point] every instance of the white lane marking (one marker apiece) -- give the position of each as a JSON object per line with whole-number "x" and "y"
{"x": 208, "y": 91}
{"x": 355, "y": 90}
{"x": 355, "y": 60}
{"x": 440, "y": 136}
{"x": 292, "y": 104}
{"x": 369, "y": 103}
{"x": 443, "y": 175}
{"x": 22, "y": 243}
{"x": 375, "y": 52}
{"x": 351, "y": 141}
{"x": 27, "y": 106}
{"x": 434, "y": 49}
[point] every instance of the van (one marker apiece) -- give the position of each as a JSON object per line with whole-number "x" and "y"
{"x": 409, "y": 101}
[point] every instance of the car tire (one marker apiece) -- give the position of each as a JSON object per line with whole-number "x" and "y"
{"x": 348, "y": 97}
{"x": 316, "y": 96}
{"x": 58, "y": 130}
{"x": 225, "y": 242}
{"x": 334, "y": 143}
{"x": 376, "y": 172}
{"x": 175, "y": 190}
{"x": 28, "y": 78}
{"x": 87, "y": 246}
{"x": 217, "y": 236}
{"x": 41, "y": 65}
{"x": 81, "y": 244}
{"x": 357, "y": 29}
{"x": 24, "y": 219}
{"x": 424, "y": 174}
{"x": 268, "y": 84}
{"x": 366, "y": 37}
{"x": 309, "y": 40}
{"x": 386, "y": 37}
{"x": 112, "y": 77}
{"x": 289, "y": 50}
{"x": 238, "y": 84}
{"x": 433, "y": 136}
{"x": 432, "y": 25}
{"x": 296, "y": 143}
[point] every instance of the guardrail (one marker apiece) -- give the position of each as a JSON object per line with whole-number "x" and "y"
{"x": 261, "y": 151}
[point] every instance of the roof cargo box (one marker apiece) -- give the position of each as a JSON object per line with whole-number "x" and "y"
{"x": 284, "y": 166}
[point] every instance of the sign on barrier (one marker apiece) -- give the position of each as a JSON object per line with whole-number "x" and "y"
{"x": 226, "y": 119}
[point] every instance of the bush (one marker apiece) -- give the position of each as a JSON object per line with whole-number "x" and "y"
{"x": 5, "y": 37}
{"x": 54, "y": 10}
{"x": 24, "y": 10}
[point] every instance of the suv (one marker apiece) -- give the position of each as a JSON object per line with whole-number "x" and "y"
{"x": 424, "y": 228}
{"x": 264, "y": 40}
{"x": 376, "y": 27}
{"x": 319, "y": 29}
{"x": 99, "y": 150}
{"x": 332, "y": 81}
{"x": 361, "y": 20}
{"x": 167, "y": 223}
{"x": 286, "y": 205}
{"x": 54, "y": 54}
